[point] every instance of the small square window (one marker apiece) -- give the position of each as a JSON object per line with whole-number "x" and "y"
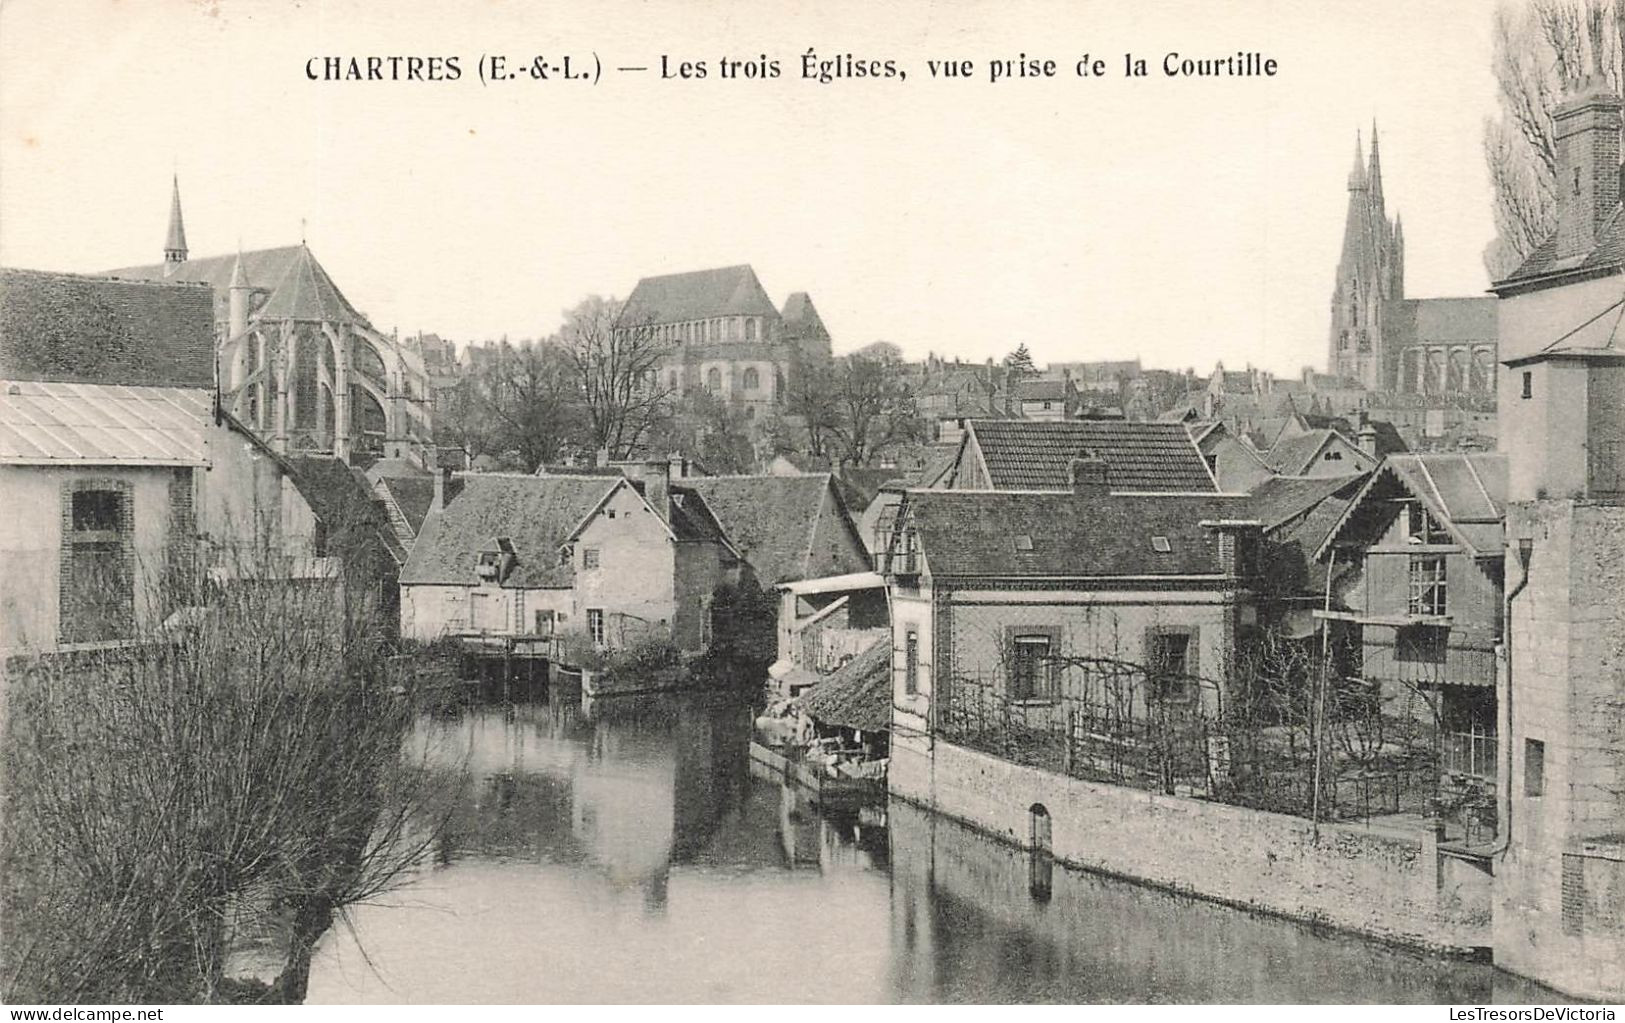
{"x": 589, "y": 557}
{"x": 1024, "y": 542}
{"x": 1161, "y": 545}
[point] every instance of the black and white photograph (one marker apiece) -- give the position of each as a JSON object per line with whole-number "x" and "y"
{"x": 721, "y": 503}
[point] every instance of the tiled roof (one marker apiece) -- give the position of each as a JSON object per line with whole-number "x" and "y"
{"x": 1028, "y": 455}
{"x": 1465, "y": 492}
{"x": 102, "y": 424}
{"x": 1607, "y": 254}
{"x": 786, "y": 527}
{"x": 68, "y": 327}
{"x": 264, "y": 268}
{"x": 858, "y": 694}
{"x": 1012, "y": 535}
{"x": 340, "y": 497}
{"x": 306, "y": 292}
{"x": 1294, "y": 455}
{"x": 1282, "y": 500}
{"x": 1041, "y": 390}
{"x": 299, "y": 286}
{"x": 676, "y": 298}
{"x": 412, "y": 495}
{"x": 537, "y": 513}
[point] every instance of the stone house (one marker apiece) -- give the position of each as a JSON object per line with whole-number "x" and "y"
{"x": 606, "y": 558}
{"x": 1560, "y": 873}
{"x": 1047, "y": 400}
{"x": 784, "y": 528}
{"x": 125, "y": 487}
{"x": 1001, "y": 601}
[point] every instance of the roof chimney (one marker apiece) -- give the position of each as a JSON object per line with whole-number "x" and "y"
{"x": 1090, "y": 476}
{"x": 1366, "y": 435}
{"x": 657, "y": 486}
{"x": 1587, "y": 127}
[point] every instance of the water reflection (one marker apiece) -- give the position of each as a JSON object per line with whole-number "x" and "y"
{"x": 626, "y": 853}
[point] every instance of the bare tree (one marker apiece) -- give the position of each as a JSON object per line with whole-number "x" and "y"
{"x": 530, "y": 401}
{"x": 1540, "y": 46}
{"x": 874, "y": 407}
{"x": 617, "y": 367}
{"x": 240, "y": 766}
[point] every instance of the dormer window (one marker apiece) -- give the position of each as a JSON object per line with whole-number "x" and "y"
{"x": 496, "y": 560}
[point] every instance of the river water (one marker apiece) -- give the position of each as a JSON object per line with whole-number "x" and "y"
{"x": 625, "y": 853}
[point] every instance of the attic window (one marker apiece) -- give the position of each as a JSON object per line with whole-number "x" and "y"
{"x": 1024, "y": 542}
{"x": 1161, "y": 545}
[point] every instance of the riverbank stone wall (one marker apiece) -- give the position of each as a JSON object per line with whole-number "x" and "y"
{"x": 1388, "y": 883}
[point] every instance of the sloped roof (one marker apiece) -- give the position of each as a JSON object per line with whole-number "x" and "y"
{"x": 1029, "y": 455}
{"x": 676, "y": 298}
{"x": 300, "y": 287}
{"x": 801, "y": 318}
{"x": 858, "y": 694}
{"x": 264, "y": 268}
{"x": 537, "y": 512}
{"x": 1465, "y": 491}
{"x": 340, "y": 497}
{"x": 306, "y": 292}
{"x": 989, "y": 533}
{"x": 692, "y": 519}
{"x": 48, "y": 423}
{"x": 1042, "y": 390}
{"x": 1607, "y": 254}
{"x": 1282, "y": 499}
{"x": 774, "y": 521}
{"x": 1426, "y": 320}
{"x": 1293, "y": 456}
{"x": 412, "y": 495}
{"x": 69, "y": 327}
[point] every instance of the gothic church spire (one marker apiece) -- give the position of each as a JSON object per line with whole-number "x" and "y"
{"x": 175, "y": 244}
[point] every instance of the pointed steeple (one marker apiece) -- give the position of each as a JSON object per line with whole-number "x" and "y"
{"x": 238, "y": 296}
{"x": 1357, "y": 175}
{"x": 175, "y": 243}
{"x": 1374, "y": 175}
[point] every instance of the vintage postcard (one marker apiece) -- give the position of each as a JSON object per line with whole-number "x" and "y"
{"x": 717, "y": 503}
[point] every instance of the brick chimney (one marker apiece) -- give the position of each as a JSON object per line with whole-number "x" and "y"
{"x": 1090, "y": 476}
{"x": 1587, "y": 126}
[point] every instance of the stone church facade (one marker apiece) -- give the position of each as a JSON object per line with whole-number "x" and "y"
{"x": 297, "y": 362}
{"x": 1436, "y": 347}
{"x": 723, "y": 334}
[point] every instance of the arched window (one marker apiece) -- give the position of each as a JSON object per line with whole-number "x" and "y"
{"x": 713, "y": 379}
{"x": 753, "y": 380}
{"x": 750, "y": 329}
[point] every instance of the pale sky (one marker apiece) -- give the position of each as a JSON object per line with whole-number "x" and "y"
{"x": 1180, "y": 220}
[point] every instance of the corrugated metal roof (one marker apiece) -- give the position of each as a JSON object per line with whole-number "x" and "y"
{"x": 101, "y": 424}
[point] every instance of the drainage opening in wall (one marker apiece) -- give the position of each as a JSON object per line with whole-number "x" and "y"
{"x": 1040, "y": 859}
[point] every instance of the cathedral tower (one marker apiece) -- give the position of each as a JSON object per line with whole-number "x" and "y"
{"x": 1370, "y": 272}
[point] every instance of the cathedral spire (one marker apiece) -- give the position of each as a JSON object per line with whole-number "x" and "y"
{"x": 1374, "y": 175}
{"x": 175, "y": 244}
{"x": 1357, "y": 175}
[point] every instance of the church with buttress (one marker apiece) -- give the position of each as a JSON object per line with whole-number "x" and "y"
{"x": 1436, "y": 348}
{"x": 296, "y": 361}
